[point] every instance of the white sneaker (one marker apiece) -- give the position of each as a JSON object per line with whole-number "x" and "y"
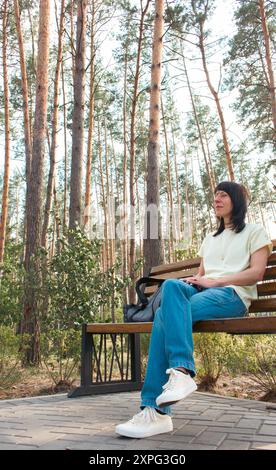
{"x": 179, "y": 386}
{"x": 146, "y": 423}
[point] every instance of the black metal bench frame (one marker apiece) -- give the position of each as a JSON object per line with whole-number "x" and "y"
{"x": 130, "y": 371}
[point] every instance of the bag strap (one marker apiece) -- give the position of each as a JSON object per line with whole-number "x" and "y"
{"x": 145, "y": 280}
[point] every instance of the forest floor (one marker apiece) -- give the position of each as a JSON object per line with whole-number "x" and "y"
{"x": 38, "y": 382}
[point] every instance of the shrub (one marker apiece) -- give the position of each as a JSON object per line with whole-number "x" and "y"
{"x": 260, "y": 362}
{"x": 11, "y": 284}
{"x": 213, "y": 352}
{"x": 77, "y": 285}
{"x": 60, "y": 352}
{"x": 11, "y": 351}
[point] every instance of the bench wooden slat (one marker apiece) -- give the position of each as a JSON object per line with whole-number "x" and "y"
{"x": 228, "y": 325}
{"x": 270, "y": 273}
{"x": 178, "y": 266}
{"x": 263, "y": 288}
{"x": 263, "y": 305}
{"x": 266, "y": 288}
{"x": 272, "y": 259}
{"x": 247, "y": 325}
{"x": 177, "y": 274}
{"x": 195, "y": 262}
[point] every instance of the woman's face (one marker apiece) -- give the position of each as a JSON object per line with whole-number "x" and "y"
{"x": 223, "y": 204}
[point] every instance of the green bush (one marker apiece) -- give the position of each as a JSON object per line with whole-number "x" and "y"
{"x": 76, "y": 284}
{"x": 259, "y": 359}
{"x": 11, "y": 284}
{"x": 213, "y": 352}
{"x": 11, "y": 351}
{"x": 60, "y": 353}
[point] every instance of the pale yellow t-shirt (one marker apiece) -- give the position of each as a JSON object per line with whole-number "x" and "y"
{"x": 229, "y": 253}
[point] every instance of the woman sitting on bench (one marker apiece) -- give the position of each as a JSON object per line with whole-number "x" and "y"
{"x": 233, "y": 260}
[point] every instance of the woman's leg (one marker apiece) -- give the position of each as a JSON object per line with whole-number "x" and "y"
{"x": 217, "y": 302}
{"x": 171, "y": 342}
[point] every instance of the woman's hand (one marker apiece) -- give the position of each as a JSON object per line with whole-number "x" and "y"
{"x": 201, "y": 281}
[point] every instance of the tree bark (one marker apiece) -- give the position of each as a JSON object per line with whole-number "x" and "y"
{"x": 171, "y": 218}
{"x": 153, "y": 254}
{"x": 65, "y": 186}
{"x": 132, "y": 198}
{"x": 123, "y": 211}
{"x": 51, "y": 177}
{"x": 214, "y": 93}
{"x": 208, "y": 170}
{"x": 271, "y": 82}
{"x": 4, "y": 211}
{"x": 75, "y": 211}
{"x": 91, "y": 122}
{"x": 24, "y": 83}
{"x": 34, "y": 189}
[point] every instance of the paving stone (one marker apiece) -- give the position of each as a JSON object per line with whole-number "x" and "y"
{"x": 231, "y": 444}
{"x": 210, "y": 438}
{"x": 229, "y": 418}
{"x": 262, "y": 446}
{"x": 190, "y": 430}
{"x": 254, "y": 437}
{"x": 213, "y": 424}
{"x": 204, "y": 421}
{"x": 269, "y": 430}
{"x": 249, "y": 423}
{"x": 183, "y": 446}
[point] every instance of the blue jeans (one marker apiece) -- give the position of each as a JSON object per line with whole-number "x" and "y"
{"x": 171, "y": 341}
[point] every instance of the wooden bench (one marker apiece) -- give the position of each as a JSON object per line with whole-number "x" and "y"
{"x": 115, "y": 347}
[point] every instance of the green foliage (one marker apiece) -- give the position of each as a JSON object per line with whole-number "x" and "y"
{"x": 11, "y": 285}
{"x": 257, "y": 356}
{"x": 186, "y": 253}
{"x": 60, "y": 352}
{"x": 77, "y": 285}
{"x": 213, "y": 351}
{"x": 245, "y": 63}
{"x": 11, "y": 351}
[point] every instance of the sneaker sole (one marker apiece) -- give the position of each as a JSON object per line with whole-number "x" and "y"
{"x": 140, "y": 436}
{"x": 162, "y": 404}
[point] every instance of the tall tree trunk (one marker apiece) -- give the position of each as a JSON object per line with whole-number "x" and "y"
{"x": 109, "y": 224}
{"x": 179, "y": 208}
{"x": 64, "y": 224}
{"x": 132, "y": 157}
{"x": 187, "y": 213}
{"x": 153, "y": 246}
{"x": 123, "y": 212}
{"x": 51, "y": 177}
{"x": 75, "y": 211}
{"x": 208, "y": 170}
{"x": 91, "y": 122}
{"x": 24, "y": 83}
{"x": 4, "y": 212}
{"x": 201, "y": 46}
{"x": 27, "y": 120}
{"x": 35, "y": 186}
{"x": 271, "y": 82}
{"x": 171, "y": 219}
{"x": 104, "y": 198}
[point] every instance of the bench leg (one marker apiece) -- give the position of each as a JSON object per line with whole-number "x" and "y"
{"x": 88, "y": 353}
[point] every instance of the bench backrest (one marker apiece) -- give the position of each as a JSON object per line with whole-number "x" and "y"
{"x": 266, "y": 301}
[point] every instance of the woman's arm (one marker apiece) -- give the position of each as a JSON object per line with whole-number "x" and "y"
{"x": 249, "y": 276}
{"x": 200, "y": 273}
{"x": 201, "y": 270}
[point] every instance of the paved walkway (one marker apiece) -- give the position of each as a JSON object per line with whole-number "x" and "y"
{"x": 202, "y": 421}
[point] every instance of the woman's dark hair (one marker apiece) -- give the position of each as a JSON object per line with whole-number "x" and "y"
{"x": 239, "y": 197}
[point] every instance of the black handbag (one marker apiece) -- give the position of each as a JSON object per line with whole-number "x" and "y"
{"x": 147, "y": 306}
